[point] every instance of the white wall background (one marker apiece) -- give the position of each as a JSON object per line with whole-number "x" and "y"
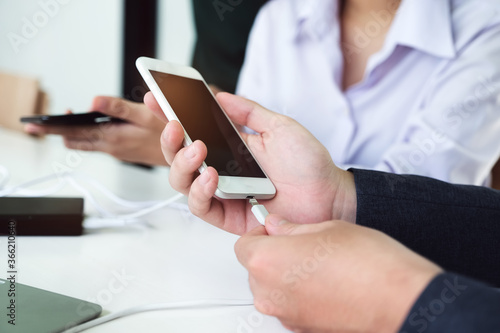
{"x": 76, "y": 50}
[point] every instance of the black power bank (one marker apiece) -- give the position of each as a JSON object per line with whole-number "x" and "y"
{"x": 41, "y": 216}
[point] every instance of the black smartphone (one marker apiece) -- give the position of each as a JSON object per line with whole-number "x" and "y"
{"x": 76, "y": 119}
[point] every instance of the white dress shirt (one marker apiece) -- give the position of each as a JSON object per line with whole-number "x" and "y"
{"x": 429, "y": 100}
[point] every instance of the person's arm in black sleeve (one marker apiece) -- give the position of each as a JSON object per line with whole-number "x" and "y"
{"x": 452, "y": 303}
{"x": 456, "y": 226}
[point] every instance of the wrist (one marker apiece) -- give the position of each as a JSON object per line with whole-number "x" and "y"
{"x": 345, "y": 200}
{"x": 404, "y": 294}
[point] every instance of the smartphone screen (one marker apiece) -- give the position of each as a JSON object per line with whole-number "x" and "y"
{"x": 204, "y": 120}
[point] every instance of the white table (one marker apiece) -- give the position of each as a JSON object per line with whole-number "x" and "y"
{"x": 174, "y": 257}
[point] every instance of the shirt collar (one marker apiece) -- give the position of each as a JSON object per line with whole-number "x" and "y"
{"x": 315, "y": 17}
{"x": 425, "y": 25}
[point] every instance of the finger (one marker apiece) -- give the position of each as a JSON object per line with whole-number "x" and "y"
{"x": 69, "y": 131}
{"x": 103, "y": 137}
{"x": 215, "y": 89}
{"x": 257, "y": 231}
{"x": 34, "y": 129}
{"x": 172, "y": 140}
{"x": 247, "y": 113}
{"x": 153, "y": 105}
{"x": 260, "y": 295}
{"x": 120, "y": 108}
{"x": 246, "y": 247}
{"x": 185, "y": 165}
{"x": 201, "y": 198}
{"x": 277, "y": 226}
{"x": 83, "y": 145}
{"x": 288, "y": 326}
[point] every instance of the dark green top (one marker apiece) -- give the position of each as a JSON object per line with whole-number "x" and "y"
{"x": 223, "y": 27}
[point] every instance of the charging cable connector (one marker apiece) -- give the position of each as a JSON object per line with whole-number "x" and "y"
{"x": 259, "y": 211}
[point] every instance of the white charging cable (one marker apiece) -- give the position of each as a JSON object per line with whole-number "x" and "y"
{"x": 259, "y": 211}
{"x": 113, "y": 197}
{"x": 200, "y": 304}
{"x": 21, "y": 189}
{"x": 127, "y": 219}
{"x": 106, "y": 218}
{"x": 113, "y": 220}
{"x": 4, "y": 174}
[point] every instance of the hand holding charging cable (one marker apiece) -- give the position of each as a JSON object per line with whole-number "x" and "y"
{"x": 320, "y": 277}
{"x": 298, "y": 165}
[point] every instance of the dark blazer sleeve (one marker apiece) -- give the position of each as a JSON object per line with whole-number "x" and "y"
{"x": 452, "y": 303}
{"x": 456, "y": 226}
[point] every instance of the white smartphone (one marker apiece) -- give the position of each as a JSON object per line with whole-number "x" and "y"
{"x": 184, "y": 96}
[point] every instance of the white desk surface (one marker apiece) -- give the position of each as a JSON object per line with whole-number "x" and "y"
{"x": 174, "y": 257}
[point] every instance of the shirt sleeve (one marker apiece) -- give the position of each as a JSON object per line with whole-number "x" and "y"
{"x": 455, "y": 133}
{"x": 452, "y": 303}
{"x": 455, "y": 226}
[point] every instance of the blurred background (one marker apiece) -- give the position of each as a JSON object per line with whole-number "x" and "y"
{"x": 78, "y": 49}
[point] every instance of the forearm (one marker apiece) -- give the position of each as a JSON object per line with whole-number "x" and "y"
{"x": 452, "y": 303}
{"x": 455, "y": 226}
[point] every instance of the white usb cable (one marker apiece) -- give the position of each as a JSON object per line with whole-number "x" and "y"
{"x": 200, "y": 304}
{"x": 106, "y": 218}
{"x": 259, "y": 211}
{"x": 4, "y": 176}
{"x": 112, "y": 220}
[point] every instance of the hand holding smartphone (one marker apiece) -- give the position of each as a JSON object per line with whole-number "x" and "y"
{"x": 184, "y": 96}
